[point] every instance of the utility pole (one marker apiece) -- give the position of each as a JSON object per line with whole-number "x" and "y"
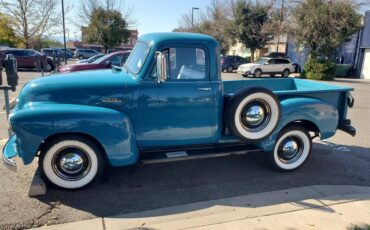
{"x": 64, "y": 35}
{"x": 281, "y": 19}
{"x": 192, "y": 15}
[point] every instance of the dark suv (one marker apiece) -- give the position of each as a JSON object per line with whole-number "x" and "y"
{"x": 229, "y": 63}
{"x": 26, "y": 59}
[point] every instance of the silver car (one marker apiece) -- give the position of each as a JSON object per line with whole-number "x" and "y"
{"x": 85, "y": 53}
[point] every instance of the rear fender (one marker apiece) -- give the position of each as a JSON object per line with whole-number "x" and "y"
{"x": 320, "y": 113}
{"x": 111, "y": 128}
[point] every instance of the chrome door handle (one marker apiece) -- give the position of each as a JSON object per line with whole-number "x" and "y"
{"x": 204, "y": 89}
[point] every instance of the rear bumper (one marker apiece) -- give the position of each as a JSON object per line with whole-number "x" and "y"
{"x": 346, "y": 126}
{"x": 9, "y": 152}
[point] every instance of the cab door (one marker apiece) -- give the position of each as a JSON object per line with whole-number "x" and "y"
{"x": 185, "y": 111}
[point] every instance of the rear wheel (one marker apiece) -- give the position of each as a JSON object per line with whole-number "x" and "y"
{"x": 285, "y": 73}
{"x": 292, "y": 148}
{"x": 230, "y": 69}
{"x": 257, "y": 73}
{"x": 71, "y": 162}
{"x": 80, "y": 57}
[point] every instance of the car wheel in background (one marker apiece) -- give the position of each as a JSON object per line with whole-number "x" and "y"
{"x": 80, "y": 57}
{"x": 286, "y": 73}
{"x": 230, "y": 69}
{"x": 292, "y": 148}
{"x": 71, "y": 162}
{"x": 257, "y": 73}
{"x": 253, "y": 114}
{"x": 49, "y": 67}
{"x": 244, "y": 75}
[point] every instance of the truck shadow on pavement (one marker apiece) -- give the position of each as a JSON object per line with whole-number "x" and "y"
{"x": 146, "y": 187}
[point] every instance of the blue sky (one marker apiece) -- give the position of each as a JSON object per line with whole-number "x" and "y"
{"x": 150, "y": 15}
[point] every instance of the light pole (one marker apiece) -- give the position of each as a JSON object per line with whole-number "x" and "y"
{"x": 280, "y": 21}
{"x": 64, "y": 35}
{"x": 192, "y": 15}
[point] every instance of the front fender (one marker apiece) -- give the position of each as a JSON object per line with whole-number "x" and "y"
{"x": 320, "y": 113}
{"x": 111, "y": 128}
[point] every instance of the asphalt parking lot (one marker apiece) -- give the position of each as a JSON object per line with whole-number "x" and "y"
{"x": 341, "y": 160}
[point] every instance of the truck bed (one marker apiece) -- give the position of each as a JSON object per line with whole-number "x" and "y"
{"x": 284, "y": 86}
{"x": 289, "y": 87}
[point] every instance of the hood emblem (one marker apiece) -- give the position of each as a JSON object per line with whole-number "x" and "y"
{"x": 111, "y": 100}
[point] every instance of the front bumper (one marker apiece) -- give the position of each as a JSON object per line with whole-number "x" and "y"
{"x": 244, "y": 72}
{"x": 9, "y": 152}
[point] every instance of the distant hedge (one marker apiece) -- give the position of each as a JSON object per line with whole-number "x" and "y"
{"x": 319, "y": 70}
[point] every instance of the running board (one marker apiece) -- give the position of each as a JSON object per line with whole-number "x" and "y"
{"x": 162, "y": 156}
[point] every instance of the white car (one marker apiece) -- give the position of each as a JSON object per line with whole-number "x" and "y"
{"x": 267, "y": 65}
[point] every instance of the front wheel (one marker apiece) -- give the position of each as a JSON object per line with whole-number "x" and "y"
{"x": 292, "y": 148}
{"x": 257, "y": 73}
{"x": 71, "y": 162}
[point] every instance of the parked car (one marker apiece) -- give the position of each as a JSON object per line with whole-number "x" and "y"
{"x": 104, "y": 62}
{"x": 90, "y": 60}
{"x": 276, "y": 55}
{"x": 52, "y": 52}
{"x": 269, "y": 66}
{"x": 230, "y": 63}
{"x": 84, "y": 53}
{"x": 168, "y": 103}
{"x": 69, "y": 53}
{"x": 26, "y": 58}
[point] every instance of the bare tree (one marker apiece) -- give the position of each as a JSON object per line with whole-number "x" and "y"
{"x": 88, "y": 6}
{"x": 32, "y": 19}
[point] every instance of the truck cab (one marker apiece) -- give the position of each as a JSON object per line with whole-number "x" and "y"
{"x": 166, "y": 103}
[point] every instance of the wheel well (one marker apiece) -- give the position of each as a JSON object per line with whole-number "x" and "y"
{"x": 309, "y": 125}
{"x": 54, "y": 136}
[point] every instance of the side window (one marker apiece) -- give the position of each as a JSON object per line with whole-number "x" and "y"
{"x": 284, "y": 61}
{"x": 186, "y": 63}
{"x": 116, "y": 60}
{"x": 271, "y": 61}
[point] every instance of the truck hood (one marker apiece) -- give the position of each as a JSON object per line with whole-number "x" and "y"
{"x": 106, "y": 88}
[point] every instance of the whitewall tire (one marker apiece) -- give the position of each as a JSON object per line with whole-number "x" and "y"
{"x": 253, "y": 114}
{"x": 292, "y": 148}
{"x": 71, "y": 162}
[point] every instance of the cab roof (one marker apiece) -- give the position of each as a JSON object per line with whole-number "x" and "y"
{"x": 178, "y": 37}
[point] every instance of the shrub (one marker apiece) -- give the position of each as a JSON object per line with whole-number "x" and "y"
{"x": 319, "y": 70}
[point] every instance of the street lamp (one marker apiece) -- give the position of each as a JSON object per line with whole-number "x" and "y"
{"x": 64, "y": 35}
{"x": 192, "y": 15}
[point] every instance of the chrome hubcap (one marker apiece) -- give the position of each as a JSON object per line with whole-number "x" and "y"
{"x": 71, "y": 163}
{"x": 255, "y": 115}
{"x": 290, "y": 149}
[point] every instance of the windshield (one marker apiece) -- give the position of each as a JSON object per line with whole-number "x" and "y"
{"x": 261, "y": 61}
{"x": 100, "y": 59}
{"x": 137, "y": 57}
{"x": 96, "y": 59}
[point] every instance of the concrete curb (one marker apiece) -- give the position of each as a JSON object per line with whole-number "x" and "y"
{"x": 238, "y": 212}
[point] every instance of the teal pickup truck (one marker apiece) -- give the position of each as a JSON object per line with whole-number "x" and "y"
{"x": 167, "y": 103}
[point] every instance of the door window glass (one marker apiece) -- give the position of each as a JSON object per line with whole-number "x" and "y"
{"x": 186, "y": 63}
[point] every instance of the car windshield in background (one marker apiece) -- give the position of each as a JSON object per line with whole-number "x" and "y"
{"x": 261, "y": 61}
{"x": 137, "y": 57}
{"x": 93, "y": 58}
{"x": 99, "y": 60}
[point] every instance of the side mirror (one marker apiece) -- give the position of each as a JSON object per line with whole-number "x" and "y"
{"x": 161, "y": 67}
{"x": 108, "y": 64}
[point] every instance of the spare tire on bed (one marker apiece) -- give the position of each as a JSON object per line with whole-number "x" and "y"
{"x": 253, "y": 113}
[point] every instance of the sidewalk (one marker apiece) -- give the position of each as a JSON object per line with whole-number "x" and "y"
{"x": 312, "y": 207}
